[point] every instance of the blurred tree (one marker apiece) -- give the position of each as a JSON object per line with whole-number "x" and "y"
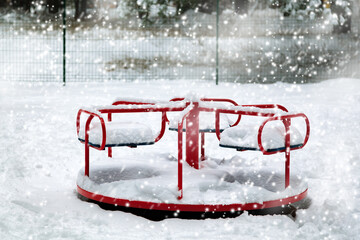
{"x": 24, "y": 4}
{"x": 206, "y": 6}
{"x": 80, "y": 8}
{"x": 183, "y": 5}
{"x": 241, "y": 6}
{"x": 342, "y": 9}
{"x": 160, "y": 9}
{"x": 53, "y": 5}
{"x": 3, "y": 3}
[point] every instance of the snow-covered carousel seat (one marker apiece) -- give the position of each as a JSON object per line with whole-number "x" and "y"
{"x": 245, "y": 137}
{"x": 119, "y": 134}
{"x": 206, "y": 123}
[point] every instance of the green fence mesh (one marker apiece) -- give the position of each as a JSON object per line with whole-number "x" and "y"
{"x": 30, "y": 50}
{"x": 108, "y": 45}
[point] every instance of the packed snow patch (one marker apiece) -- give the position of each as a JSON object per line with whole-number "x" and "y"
{"x": 213, "y": 184}
{"x": 118, "y": 133}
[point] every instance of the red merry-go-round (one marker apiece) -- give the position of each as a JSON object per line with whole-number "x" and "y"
{"x": 191, "y": 184}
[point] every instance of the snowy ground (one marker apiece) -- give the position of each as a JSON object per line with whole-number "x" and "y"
{"x": 41, "y": 156}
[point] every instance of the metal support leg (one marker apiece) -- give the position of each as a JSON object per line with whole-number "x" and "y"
{"x": 87, "y": 155}
{"x": 202, "y": 135}
{"x": 287, "y": 153}
{"x": 180, "y": 161}
{"x": 87, "y": 148}
{"x": 192, "y": 137}
{"x": 109, "y": 148}
{"x": 287, "y": 167}
{"x": 109, "y": 152}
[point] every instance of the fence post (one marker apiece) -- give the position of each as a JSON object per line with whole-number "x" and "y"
{"x": 217, "y": 42}
{"x": 64, "y": 44}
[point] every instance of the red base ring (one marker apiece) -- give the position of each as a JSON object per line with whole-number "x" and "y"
{"x": 191, "y": 207}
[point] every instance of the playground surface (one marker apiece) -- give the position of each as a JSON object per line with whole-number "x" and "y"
{"x": 41, "y": 156}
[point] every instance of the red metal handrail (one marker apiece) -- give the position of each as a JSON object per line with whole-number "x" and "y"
{"x": 163, "y": 126}
{"x": 126, "y": 102}
{"x": 267, "y": 106}
{"x": 163, "y": 115}
{"x": 224, "y": 100}
{"x": 232, "y": 111}
{"x": 111, "y": 111}
{"x": 207, "y": 100}
{"x": 286, "y": 120}
{"x": 283, "y": 117}
{"x": 87, "y": 126}
{"x": 180, "y": 154}
{"x": 215, "y": 100}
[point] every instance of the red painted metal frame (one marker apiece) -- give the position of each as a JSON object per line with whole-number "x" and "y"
{"x": 192, "y": 207}
{"x": 126, "y": 102}
{"x": 287, "y": 129}
{"x": 285, "y": 119}
{"x": 192, "y": 139}
{"x": 87, "y": 128}
{"x": 241, "y": 112}
{"x": 192, "y": 143}
{"x": 202, "y": 146}
{"x": 180, "y": 155}
{"x": 215, "y": 100}
{"x": 224, "y": 100}
{"x": 267, "y": 106}
{"x": 111, "y": 111}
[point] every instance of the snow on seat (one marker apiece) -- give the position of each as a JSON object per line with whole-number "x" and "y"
{"x": 206, "y": 122}
{"x": 245, "y": 137}
{"x": 119, "y": 134}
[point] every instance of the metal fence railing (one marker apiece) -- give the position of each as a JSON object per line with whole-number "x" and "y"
{"x": 30, "y": 51}
{"x": 261, "y": 47}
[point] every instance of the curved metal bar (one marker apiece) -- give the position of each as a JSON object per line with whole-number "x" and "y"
{"x": 87, "y": 150}
{"x": 286, "y": 118}
{"x": 224, "y": 100}
{"x": 208, "y": 100}
{"x": 217, "y": 124}
{"x": 87, "y": 126}
{"x": 287, "y": 151}
{"x": 180, "y": 160}
{"x": 218, "y": 111}
{"x": 177, "y": 99}
{"x": 286, "y": 121}
{"x": 109, "y": 148}
{"x": 219, "y": 100}
{"x": 216, "y": 100}
{"x": 281, "y": 107}
{"x": 163, "y": 126}
{"x": 180, "y": 155}
{"x": 199, "y": 207}
{"x": 164, "y": 118}
{"x": 125, "y": 102}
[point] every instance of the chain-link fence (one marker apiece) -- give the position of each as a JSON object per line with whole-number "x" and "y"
{"x": 113, "y": 40}
{"x": 30, "y": 50}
